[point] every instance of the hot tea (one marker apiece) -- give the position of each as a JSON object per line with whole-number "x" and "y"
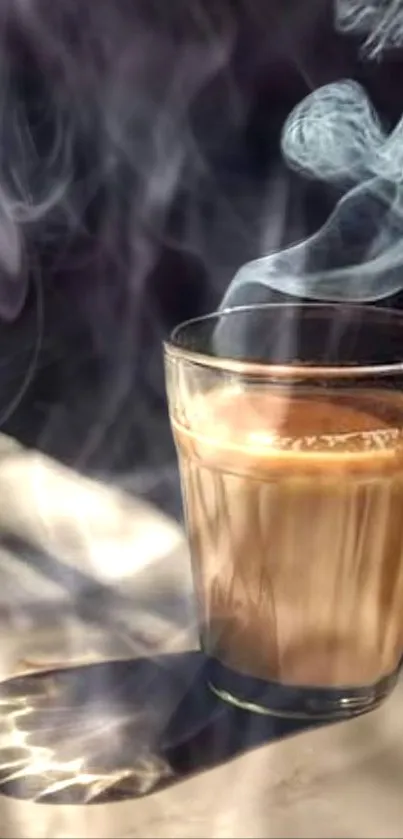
{"x": 294, "y": 506}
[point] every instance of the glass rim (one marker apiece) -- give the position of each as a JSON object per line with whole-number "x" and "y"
{"x": 268, "y": 370}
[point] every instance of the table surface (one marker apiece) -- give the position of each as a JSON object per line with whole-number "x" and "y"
{"x": 109, "y": 579}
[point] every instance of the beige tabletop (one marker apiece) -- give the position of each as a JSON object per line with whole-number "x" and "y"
{"x": 344, "y": 780}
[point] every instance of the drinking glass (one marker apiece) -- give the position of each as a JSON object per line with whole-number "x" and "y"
{"x": 288, "y": 424}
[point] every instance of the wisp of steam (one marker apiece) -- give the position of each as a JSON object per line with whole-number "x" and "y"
{"x": 335, "y": 136}
{"x": 106, "y": 87}
{"x": 379, "y": 22}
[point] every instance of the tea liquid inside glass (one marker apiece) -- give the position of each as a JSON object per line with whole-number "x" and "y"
{"x": 294, "y": 507}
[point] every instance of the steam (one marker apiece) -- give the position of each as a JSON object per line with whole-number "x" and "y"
{"x": 379, "y": 22}
{"x": 97, "y": 143}
{"x": 335, "y": 136}
{"x": 32, "y": 185}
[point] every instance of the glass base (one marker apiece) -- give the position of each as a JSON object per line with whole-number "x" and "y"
{"x": 293, "y": 702}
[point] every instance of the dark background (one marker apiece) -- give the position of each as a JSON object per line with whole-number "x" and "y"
{"x": 95, "y": 398}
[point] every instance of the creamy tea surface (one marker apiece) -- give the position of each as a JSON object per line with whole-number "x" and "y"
{"x": 294, "y": 506}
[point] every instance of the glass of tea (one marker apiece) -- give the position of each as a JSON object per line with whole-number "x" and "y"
{"x": 288, "y": 423}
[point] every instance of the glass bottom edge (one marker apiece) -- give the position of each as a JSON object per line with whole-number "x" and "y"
{"x": 293, "y": 702}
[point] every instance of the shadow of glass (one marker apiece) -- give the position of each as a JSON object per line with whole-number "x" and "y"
{"x": 119, "y": 729}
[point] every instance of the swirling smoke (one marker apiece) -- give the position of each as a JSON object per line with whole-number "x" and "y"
{"x": 335, "y": 136}
{"x": 378, "y": 22}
